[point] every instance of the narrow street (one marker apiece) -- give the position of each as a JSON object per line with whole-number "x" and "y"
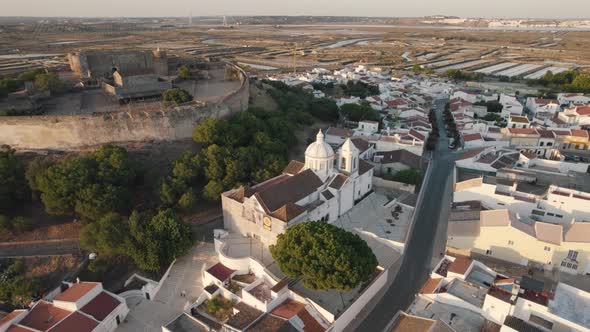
{"x": 427, "y": 236}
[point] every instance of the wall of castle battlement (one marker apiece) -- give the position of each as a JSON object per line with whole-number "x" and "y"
{"x": 69, "y": 132}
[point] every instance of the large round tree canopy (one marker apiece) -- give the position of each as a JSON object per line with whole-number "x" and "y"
{"x": 324, "y": 256}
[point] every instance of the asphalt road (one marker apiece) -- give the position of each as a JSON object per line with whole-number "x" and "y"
{"x": 40, "y": 248}
{"x": 428, "y": 235}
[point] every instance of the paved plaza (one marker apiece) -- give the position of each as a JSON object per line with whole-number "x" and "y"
{"x": 149, "y": 316}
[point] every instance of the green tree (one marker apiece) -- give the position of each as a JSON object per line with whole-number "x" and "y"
{"x": 213, "y": 190}
{"x": 30, "y": 75}
{"x": 354, "y": 112}
{"x": 13, "y": 185}
{"x": 417, "y": 69}
{"x": 324, "y": 109}
{"x": 156, "y": 240}
{"x": 184, "y": 72}
{"x": 21, "y": 224}
{"x": 34, "y": 168}
{"x": 581, "y": 83}
{"x": 91, "y": 185}
{"x": 106, "y": 237}
{"x": 324, "y": 256}
{"x": 409, "y": 176}
{"x": 176, "y": 96}
{"x": 49, "y": 81}
{"x": 210, "y": 131}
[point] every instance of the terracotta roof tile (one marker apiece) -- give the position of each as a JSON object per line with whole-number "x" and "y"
{"x": 43, "y": 316}
{"x": 430, "y": 286}
{"x": 76, "y": 291}
{"x": 360, "y": 143}
{"x": 523, "y": 131}
{"x": 288, "y": 309}
{"x": 579, "y": 133}
{"x": 400, "y": 156}
{"x": 364, "y": 167}
{"x": 290, "y": 190}
{"x": 293, "y": 167}
{"x": 75, "y": 322}
{"x": 101, "y": 306}
{"x": 288, "y": 212}
{"x": 16, "y": 328}
{"x": 220, "y": 271}
{"x": 310, "y": 324}
{"x": 10, "y": 316}
{"x": 407, "y": 323}
{"x": 338, "y": 181}
{"x": 472, "y": 137}
{"x": 460, "y": 265}
{"x": 519, "y": 119}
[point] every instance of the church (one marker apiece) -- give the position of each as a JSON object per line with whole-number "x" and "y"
{"x": 325, "y": 187}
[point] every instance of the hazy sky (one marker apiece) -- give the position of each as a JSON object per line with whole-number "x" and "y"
{"x": 393, "y": 8}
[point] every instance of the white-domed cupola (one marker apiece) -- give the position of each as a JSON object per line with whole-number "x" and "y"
{"x": 349, "y": 157}
{"x": 319, "y": 156}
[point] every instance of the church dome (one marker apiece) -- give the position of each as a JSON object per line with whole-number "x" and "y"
{"x": 319, "y": 149}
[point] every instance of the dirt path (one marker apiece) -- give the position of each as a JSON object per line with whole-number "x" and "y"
{"x": 40, "y": 248}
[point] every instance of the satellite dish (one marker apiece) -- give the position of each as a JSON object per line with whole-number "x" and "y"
{"x": 92, "y": 256}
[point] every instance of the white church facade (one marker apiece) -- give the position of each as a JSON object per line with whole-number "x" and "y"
{"x": 325, "y": 187}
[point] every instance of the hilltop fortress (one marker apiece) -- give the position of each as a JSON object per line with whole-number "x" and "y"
{"x": 126, "y": 123}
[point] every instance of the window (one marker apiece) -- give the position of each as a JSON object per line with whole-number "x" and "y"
{"x": 542, "y": 143}
{"x": 501, "y": 204}
{"x": 488, "y": 252}
{"x": 559, "y": 215}
{"x": 510, "y": 242}
{"x": 343, "y": 162}
{"x": 572, "y": 254}
{"x": 551, "y": 214}
{"x": 538, "y": 213}
{"x": 547, "y": 248}
{"x": 549, "y": 144}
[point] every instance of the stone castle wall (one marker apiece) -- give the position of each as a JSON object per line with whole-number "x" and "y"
{"x": 68, "y": 132}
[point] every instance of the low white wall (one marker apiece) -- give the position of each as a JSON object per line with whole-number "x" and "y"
{"x": 344, "y": 320}
{"x": 562, "y": 167}
{"x": 397, "y": 246}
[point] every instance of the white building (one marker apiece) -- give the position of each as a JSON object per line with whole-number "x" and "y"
{"x": 82, "y": 307}
{"x": 569, "y": 99}
{"x": 511, "y": 106}
{"x": 469, "y": 296}
{"x": 536, "y": 105}
{"x": 326, "y": 186}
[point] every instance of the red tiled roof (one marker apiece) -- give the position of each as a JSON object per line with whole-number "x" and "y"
{"x": 101, "y": 306}
{"x": 471, "y": 154}
{"x": 523, "y": 131}
{"x": 290, "y": 190}
{"x": 10, "y": 316}
{"x": 460, "y": 265}
{"x": 430, "y": 286}
{"x": 583, "y": 110}
{"x": 75, "y": 322}
{"x": 558, "y": 121}
{"x": 43, "y": 316}
{"x": 396, "y": 102}
{"x": 220, "y": 271}
{"x": 15, "y": 328}
{"x": 546, "y": 133}
{"x": 519, "y": 119}
{"x": 293, "y": 167}
{"x": 76, "y": 291}
{"x": 472, "y": 137}
{"x": 345, "y": 132}
{"x": 579, "y": 133}
{"x": 288, "y": 309}
{"x": 310, "y": 324}
{"x": 416, "y": 134}
{"x": 288, "y": 212}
